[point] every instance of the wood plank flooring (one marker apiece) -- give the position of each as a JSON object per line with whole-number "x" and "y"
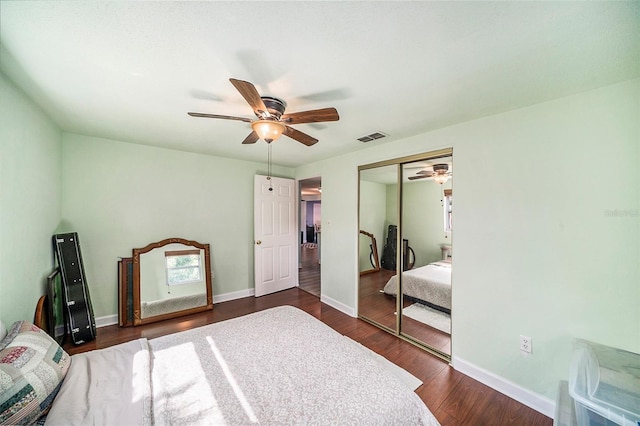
{"x": 309, "y": 272}
{"x": 381, "y": 308}
{"x": 454, "y": 398}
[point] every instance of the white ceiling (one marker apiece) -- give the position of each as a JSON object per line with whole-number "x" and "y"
{"x": 130, "y": 71}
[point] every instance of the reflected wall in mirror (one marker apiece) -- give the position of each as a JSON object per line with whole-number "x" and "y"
{"x": 409, "y": 215}
{"x": 368, "y": 259}
{"x": 378, "y": 201}
{"x": 171, "y": 278}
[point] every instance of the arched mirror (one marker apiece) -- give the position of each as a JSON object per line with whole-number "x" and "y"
{"x": 368, "y": 258}
{"x": 406, "y": 203}
{"x": 171, "y": 278}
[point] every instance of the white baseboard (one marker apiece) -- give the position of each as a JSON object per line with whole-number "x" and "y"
{"x": 531, "y": 399}
{"x": 106, "y": 320}
{"x": 113, "y": 319}
{"x": 234, "y": 295}
{"x": 338, "y": 305}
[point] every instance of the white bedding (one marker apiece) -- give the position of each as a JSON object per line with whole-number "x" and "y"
{"x": 278, "y": 366}
{"x": 108, "y": 386}
{"x": 430, "y": 283}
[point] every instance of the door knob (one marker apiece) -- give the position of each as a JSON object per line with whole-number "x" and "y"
{"x": 258, "y": 242}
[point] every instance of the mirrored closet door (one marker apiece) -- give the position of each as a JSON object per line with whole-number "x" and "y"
{"x": 378, "y": 211}
{"x": 406, "y": 203}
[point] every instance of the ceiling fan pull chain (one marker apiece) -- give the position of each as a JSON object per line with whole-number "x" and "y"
{"x": 269, "y": 166}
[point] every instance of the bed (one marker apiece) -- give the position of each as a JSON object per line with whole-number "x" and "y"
{"x": 277, "y": 366}
{"x": 429, "y": 284}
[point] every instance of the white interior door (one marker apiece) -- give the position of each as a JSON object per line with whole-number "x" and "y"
{"x": 275, "y": 235}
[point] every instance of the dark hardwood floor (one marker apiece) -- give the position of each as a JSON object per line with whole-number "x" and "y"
{"x": 455, "y": 399}
{"x": 309, "y": 271}
{"x": 379, "y": 307}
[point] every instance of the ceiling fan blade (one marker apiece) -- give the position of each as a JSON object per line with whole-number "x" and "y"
{"x": 252, "y": 138}
{"x": 425, "y": 172}
{"x": 225, "y": 117}
{"x": 313, "y": 116}
{"x": 299, "y": 136}
{"x": 419, "y": 177}
{"x": 251, "y": 95}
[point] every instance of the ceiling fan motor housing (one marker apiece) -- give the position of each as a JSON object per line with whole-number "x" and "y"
{"x": 440, "y": 168}
{"x": 275, "y": 106}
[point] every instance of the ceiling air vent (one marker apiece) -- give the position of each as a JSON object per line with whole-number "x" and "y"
{"x": 372, "y": 137}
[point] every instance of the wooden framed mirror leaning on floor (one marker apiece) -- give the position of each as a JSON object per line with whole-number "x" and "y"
{"x": 406, "y": 204}
{"x": 164, "y": 279}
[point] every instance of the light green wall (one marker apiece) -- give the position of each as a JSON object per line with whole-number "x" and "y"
{"x": 339, "y": 226}
{"x": 119, "y": 196}
{"x": 30, "y": 182}
{"x": 536, "y": 252}
{"x": 423, "y": 223}
{"x": 391, "y": 208}
{"x": 373, "y": 202}
{"x": 424, "y": 217}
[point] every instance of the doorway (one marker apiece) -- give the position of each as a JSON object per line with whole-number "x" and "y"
{"x": 275, "y": 239}
{"x": 310, "y": 191}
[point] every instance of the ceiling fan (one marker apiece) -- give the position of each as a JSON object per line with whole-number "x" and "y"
{"x": 271, "y": 120}
{"x": 440, "y": 173}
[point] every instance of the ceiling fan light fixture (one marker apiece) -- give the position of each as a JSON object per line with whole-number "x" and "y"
{"x": 440, "y": 178}
{"x": 268, "y": 130}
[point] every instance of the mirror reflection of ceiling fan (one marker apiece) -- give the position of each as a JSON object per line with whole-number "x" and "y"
{"x": 271, "y": 121}
{"x": 439, "y": 172}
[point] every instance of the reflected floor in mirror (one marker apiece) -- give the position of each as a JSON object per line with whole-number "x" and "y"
{"x": 380, "y": 307}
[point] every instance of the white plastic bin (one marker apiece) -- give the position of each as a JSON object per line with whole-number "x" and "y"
{"x": 605, "y": 385}
{"x": 565, "y": 414}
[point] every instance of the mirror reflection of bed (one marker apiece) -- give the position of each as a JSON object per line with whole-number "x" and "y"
{"x": 425, "y": 245}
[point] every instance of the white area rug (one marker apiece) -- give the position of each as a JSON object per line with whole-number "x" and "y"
{"x": 407, "y": 378}
{"x": 276, "y": 367}
{"x": 432, "y": 317}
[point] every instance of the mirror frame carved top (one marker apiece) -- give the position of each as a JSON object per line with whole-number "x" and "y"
{"x": 374, "y": 249}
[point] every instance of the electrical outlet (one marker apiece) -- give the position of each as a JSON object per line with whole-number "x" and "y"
{"x": 525, "y": 344}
